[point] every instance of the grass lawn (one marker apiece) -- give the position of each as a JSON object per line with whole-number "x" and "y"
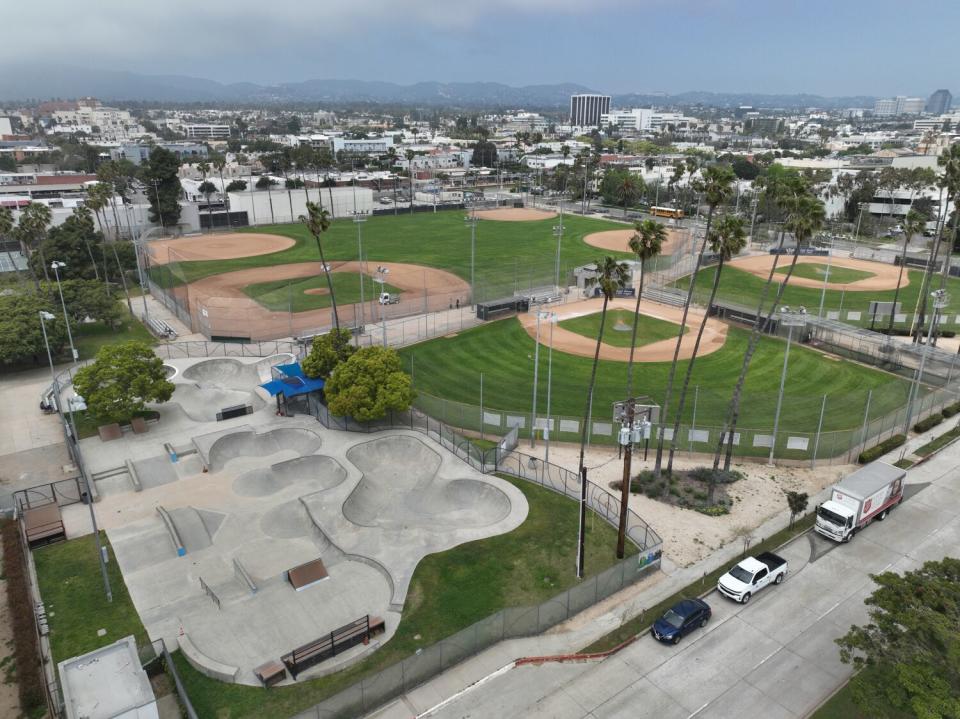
{"x": 649, "y": 329}
{"x": 90, "y": 337}
{"x": 278, "y": 295}
{"x": 838, "y": 275}
{"x": 72, "y": 591}
{"x": 507, "y": 253}
{"x": 448, "y": 592}
{"x": 450, "y": 367}
{"x": 744, "y": 288}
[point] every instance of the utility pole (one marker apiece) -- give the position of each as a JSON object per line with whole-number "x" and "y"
{"x": 472, "y": 220}
{"x": 558, "y": 233}
{"x": 536, "y": 367}
{"x": 359, "y": 217}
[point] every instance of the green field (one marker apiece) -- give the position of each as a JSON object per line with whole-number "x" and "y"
{"x": 508, "y": 254}
{"x": 649, "y": 329}
{"x": 284, "y": 295}
{"x": 744, "y": 288}
{"x": 450, "y": 368}
{"x": 838, "y": 275}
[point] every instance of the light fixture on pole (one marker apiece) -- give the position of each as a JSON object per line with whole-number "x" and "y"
{"x": 359, "y": 217}
{"x": 551, "y": 317}
{"x": 789, "y": 318}
{"x": 826, "y": 279}
{"x": 56, "y": 267}
{"x": 536, "y": 368}
{"x": 558, "y": 233}
{"x": 940, "y": 299}
{"x": 472, "y": 220}
{"x": 55, "y": 387}
{"x": 382, "y": 273}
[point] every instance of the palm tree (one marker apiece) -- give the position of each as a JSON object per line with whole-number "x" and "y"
{"x": 219, "y": 163}
{"x": 206, "y": 189}
{"x": 611, "y": 275}
{"x": 317, "y": 221}
{"x": 716, "y": 185}
{"x": 32, "y": 231}
{"x": 410, "y": 154}
{"x": 627, "y": 190}
{"x": 805, "y": 217}
{"x": 726, "y": 239}
{"x": 6, "y": 229}
{"x": 646, "y": 243}
{"x": 912, "y": 225}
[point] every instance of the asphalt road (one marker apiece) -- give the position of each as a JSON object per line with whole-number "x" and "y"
{"x": 773, "y": 658}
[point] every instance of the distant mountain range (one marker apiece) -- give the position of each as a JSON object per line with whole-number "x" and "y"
{"x": 114, "y": 85}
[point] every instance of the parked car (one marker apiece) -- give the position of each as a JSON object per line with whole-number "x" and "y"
{"x": 751, "y": 575}
{"x": 681, "y": 619}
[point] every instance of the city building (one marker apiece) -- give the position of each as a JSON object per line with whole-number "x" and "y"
{"x": 109, "y": 123}
{"x": 585, "y": 110}
{"x": 137, "y": 153}
{"x": 938, "y": 123}
{"x": 900, "y": 105}
{"x": 636, "y": 119}
{"x": 371, "y": 145}
{"x": 107, "y": 683}
{"x": 206, "y": 132}
{"x": 6, "y": 128}
{"x": 939, "y": 102}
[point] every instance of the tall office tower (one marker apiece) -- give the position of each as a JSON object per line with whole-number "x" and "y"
{"x": 585, "y": 110}
{"x": 939, "y": 102}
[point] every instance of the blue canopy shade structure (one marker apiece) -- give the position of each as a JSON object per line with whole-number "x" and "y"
{"x": 290, "y": 381}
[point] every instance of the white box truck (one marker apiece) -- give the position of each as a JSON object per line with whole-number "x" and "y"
{"x": 859, "y": 498}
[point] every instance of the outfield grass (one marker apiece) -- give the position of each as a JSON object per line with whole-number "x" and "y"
{"x": 73, "y": 594}
{"x": 449, "y": 591}
{"x": 814, "y": 271}
{"x": 284, "y": 295}
{"x": 745, "y": 288}
{"x": 450, "y": 367}
{"x": 649, "y": 329}
{"x": 507, "y": 253}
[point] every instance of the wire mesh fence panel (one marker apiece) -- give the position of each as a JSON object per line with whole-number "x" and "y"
{"x": 382, "y": 686}
{"x": 522, "y": 621}
{"x": 458, "y": 647}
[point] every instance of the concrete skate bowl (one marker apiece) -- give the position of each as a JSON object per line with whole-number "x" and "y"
{"x": 400, "y": 489}
{"x": 247, "y": 443}
{"x": 313, "y": 473}
{"x": 201, "y": 403}
{"x": 229, "y": 373}
{"x": 170, "y": 371}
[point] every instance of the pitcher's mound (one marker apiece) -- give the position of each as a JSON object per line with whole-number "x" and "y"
{"x": 317, "y": 291}
{"x": 515, "y": 214}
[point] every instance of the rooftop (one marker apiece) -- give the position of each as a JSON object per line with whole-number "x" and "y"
{"x": 105, "y": 683}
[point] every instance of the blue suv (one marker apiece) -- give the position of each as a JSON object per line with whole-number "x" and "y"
{"x": 681, "y": 619}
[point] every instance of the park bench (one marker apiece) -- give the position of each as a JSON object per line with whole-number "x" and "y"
{"x": 43, "y": 525}
{"x": 349, "y": 635}
{"x": 270, "y": 673}
{"x": 161, "y": 328}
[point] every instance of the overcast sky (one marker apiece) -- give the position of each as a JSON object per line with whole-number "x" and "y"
{"x": 828, "y": 47}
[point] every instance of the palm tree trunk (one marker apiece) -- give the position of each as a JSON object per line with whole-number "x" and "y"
{"x": 43, "y": 261}
{"x": 628, "y": 450}
{"x": 330, "y": 192}
{"x": 693, "y": 358}
{"x": 921, "y": 312}
{"x": 326, "y": 271}
{"x": 581, "y": 472}
{"x": 896, "y": 293}
{"x": 676, "y": 349}
{"x": 123, "y": 278}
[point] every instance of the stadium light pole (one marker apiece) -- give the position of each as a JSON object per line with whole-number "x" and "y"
{"x": 536, "y": 368}
{"x": 551, "y": 317}
{"x": 940, "y": 300}
{"x": 558, "y": 233}
{"x": 472, "y": 220}
{"x": 791, "y": 318}
{"x": 56, "y": 266}
{"x": 826, "y": 279}
{"x": 359, "y": 217}
{"x": 382, "y": 273}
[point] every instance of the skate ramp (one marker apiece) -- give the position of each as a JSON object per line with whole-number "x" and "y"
{"x": 230, "y": 373}
{"x": 196, "y": 527}
{"x": 400, "y": 489}
{"x": 248, "y": 443}
{"x": 202, "y": 402}
{"x": 313, "y": 473}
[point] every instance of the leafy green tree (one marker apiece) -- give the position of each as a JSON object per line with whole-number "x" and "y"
{"x": 744, "y": 169}
{"x": 369, "y": 384}
{"x": 908, "y": 657}
{"x": 88, "y": 298}
{"x": 121, "y": 380}
{"x": 237, "y": 186}
{"x": 327, "y": 352}
{"x": 21, "y": 337}
{"x": 264, "y": 181}
{"x": 797, "y": 501}
{"x": 484, "y": 154}
{"x": 159, "y": 172}
{"x": 72, "y": 243}
{"x": 317, "y": 221}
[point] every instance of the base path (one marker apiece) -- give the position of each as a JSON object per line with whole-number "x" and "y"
{"x": 619, "y": 240}
{"x": 226, "y": 246}
{"x": 884, "y": 276}
{"x": 515, "y": 214}
{"x": 220, "y": 306}
{"x": 714, "y": 334}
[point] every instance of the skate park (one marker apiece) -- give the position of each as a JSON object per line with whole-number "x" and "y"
{"x": 245, "y": 538}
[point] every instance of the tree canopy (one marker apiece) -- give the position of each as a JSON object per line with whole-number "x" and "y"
{"x": 21, "y": 337}
{"x": 369, "y": 384}
{"x": 908, "y": 656}
{"x": 484, "y": 154}
{"x": 163, "y": 186}
{"x": 327, "y": 352}
{"x": 121, "y": 380}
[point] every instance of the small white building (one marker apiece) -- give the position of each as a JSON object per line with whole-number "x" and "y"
{"x": 107, "y": 683}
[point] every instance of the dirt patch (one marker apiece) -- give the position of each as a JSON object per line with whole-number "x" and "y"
{"x": 884, "y": 276}
{"x": 714, "y": 334}
{"x": 217, "y": 247}
{"x": 515, "y": 214}
{"x": 619, "y": 240}
{"x": 317, "y": 291}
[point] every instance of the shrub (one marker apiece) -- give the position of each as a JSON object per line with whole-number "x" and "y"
{"x": 868, "y": 455}
{"x": 951, "y": 409}
{"x": 700, "y": 495}
{"x": 714, "y": 510}
{"x": 929, "y": 423}
{"x": 674, "y": 490}
{"x": 652, "y": 492}
{"x": 706, "y": 474}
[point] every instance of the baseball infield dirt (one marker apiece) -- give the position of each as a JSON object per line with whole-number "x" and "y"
{"x": 515, "y": 214}
{"x": 219, "y": 304}
{"x": 225, "y": 246}
{"x": 619, "y": 240}
{"x": 884, "y": 276}
{"x": 714, "y": 334}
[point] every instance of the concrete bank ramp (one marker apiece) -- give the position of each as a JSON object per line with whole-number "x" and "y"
{"x": 313, "y": 473}
{"x": 249, "y": 443}
{"x": 202, "y": 402}
{"x": 400, "y": 488}
{"x": 196, "y": 527}
{"x": 230, "y": 373}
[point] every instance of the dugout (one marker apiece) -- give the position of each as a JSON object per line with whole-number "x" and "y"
{"x": 500, "y": 308}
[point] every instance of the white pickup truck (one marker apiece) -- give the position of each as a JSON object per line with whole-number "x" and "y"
{"x": 751, "y": 575}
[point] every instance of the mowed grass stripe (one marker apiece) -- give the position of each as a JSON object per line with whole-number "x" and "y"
{"x": 503, "y": 352}
{"x": 284, "y": 295}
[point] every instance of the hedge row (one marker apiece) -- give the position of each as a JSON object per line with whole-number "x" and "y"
{"x": 25, "y": 649}
{"x": 929, "y": 423}
{"x": 868, "y": 455}
{"x": 951, "y": 409}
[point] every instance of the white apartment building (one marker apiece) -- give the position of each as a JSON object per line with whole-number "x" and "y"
{"x": 900, "y": 105}
{"x": 644, "y": 119}
{"x": 206, "y": 131}
{"x": 371, "y": 145}
{"x": 937, "y": 123}
{"x": 6, "y": 127}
